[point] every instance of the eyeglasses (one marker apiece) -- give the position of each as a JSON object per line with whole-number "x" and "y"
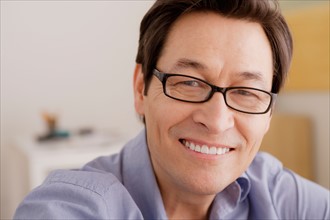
{"x": 194, "y": 90}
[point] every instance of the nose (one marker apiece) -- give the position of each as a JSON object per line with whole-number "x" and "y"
{"x": 215, "y": 115}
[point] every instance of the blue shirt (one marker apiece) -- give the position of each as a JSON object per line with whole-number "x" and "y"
{"x": 123, "y": 186}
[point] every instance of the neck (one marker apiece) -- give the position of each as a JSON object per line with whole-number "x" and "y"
{"x": 182, "y": 203}
{"x": 185, "y": 206}
{"x": 183, "y": 200}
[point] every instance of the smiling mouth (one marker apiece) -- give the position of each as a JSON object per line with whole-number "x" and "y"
{"x": 205, "y": 149}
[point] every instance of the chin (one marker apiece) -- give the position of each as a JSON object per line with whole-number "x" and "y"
{"x": 207, "y": 185}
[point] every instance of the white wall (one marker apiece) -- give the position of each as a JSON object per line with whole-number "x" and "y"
{"x": 77, "y": 58}
{"x": 72, "y": 57}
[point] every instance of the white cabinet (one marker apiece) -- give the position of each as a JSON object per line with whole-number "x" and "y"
{"x": 70, "y": 153}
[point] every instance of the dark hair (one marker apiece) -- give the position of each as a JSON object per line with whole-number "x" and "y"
{"x": 157, "y": 23}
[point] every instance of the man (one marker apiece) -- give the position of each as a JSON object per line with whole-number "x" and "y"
{"x": 205, "y": 84}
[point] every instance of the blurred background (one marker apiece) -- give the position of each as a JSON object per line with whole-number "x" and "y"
{"x": 66, "y": 89}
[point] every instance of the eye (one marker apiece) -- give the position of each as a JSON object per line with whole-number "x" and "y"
{"x": 192, "y": 83}
{"x": 243, "y": 92}
{"x": 186, "y": 83}
{"x": 246, "y": 94}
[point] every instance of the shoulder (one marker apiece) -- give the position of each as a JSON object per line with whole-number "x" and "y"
{"x": 290, "y": 195}
{"x": 78, "y": 195}
{"x": 94, "y": 192}
{"x": 106, "y": 165}
{"x": 96, "y": 182}
{"x": 264, "y": 170}
{"x": 267, "y": 160}
{"x": 115, "y": 163}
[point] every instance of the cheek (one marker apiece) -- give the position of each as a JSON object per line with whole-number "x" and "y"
{"x": 157, "y": 114}
{"x": 254, "y": 129}
{"x": 163, "y": 113}
{"x": 163, "y": 116}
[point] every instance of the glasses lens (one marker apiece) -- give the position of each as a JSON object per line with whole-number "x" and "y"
{"x": 187, "y": 88}
{"x": 248, "y": 100}
{"x": 190, "y": 89}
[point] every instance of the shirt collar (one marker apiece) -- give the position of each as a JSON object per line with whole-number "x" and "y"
{"x": 245, "y": 185}
{"x": 229, "y": 198}
{"x": 139, "y": 178}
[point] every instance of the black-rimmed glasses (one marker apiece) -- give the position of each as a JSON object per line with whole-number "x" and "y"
{"x": 194, "y": 90}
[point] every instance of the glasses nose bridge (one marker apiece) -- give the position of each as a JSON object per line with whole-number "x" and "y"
{"x": 219, "y": 89}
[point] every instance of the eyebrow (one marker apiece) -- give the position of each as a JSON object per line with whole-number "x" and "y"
{"x": 188, "y": 63}
{"x": 256, "y": 76}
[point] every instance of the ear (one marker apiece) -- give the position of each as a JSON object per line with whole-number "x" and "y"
{"x": 138, "y": 86}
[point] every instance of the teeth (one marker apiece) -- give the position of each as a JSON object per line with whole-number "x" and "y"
{"x": 204, "y": 149}
{"x": 220, "y": 151}
{"x": 191, "y": 146}
{"x": 213, "y": 150}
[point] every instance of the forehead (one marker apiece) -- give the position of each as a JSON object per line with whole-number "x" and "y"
{"x": 209, "y": 42}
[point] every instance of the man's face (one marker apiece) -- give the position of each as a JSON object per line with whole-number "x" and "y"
{"x": 224, "y": 52}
